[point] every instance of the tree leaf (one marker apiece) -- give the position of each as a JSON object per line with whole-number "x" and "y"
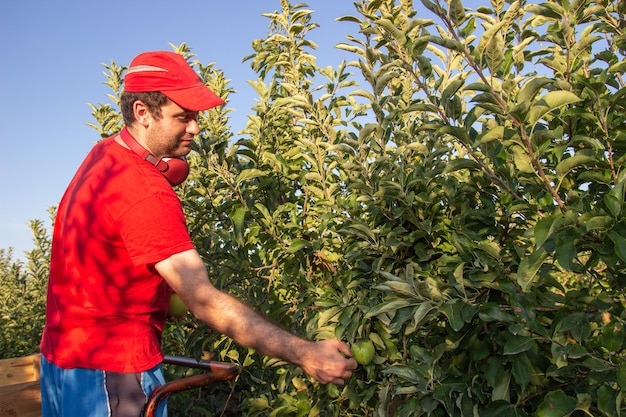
{"x": 248, "y": 174}
{"x": 502, "y": 389}
{"x": 495, "y": 133}
{"x": 237, "y": 217}
{"x": 619, "y": 243}
{"x": 297, "y": 244}
{"x": 576, "y": 161}
{"x": 548, "y": 103}
{"x": 457, "y": 12}
{"x": 388, "y": 307}
{"x": 392, "y": 29}
{"x": 556, "y": 404}
{"x": 494, "y": 52}
{"x": 522, "y": 370}
{"x": 521, "y": 160}
{"x": 598, "y": 223}
{"x": 529, "y": 90}
{"x": 529, "y": 267}
{"x": 461, "y": 163}
{"x": 614, "y": 200}
{"x": 517, "y": 344}
{"x": 485, "y": 38}
{"x": 612, "y": 336}
{"x": 453, "y": 311}
{"x": 421, "y": 312}
{"x": 493, "y": 312}
{"x": 608, "y": 400}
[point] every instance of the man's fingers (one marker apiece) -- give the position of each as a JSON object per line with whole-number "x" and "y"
{"x": 345, "y": 349}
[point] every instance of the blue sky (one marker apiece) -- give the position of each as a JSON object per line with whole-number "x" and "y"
{"x": 51, "y": 68}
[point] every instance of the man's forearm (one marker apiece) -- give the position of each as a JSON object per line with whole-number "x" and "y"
{"x": 230, "y": 316}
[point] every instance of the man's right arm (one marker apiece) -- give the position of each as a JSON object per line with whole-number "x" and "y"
{"x": 327, "y": 361}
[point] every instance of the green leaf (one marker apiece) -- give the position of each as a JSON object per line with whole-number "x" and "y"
{"x": 486, "y": 38}
{"x": 389, "y": 307}
{"x": 248, "y": 174}
{"x": 557, "y": 404}
{"x": 612, "y": 337}
{"x": 597, "y": 364}
{"x": 461, "y": 163}
{"x": 529, "y": 267}
{"x": 544, "y": 229}
{"x": 614, "y": 200}
{"x": 406, "y": 373}
{"x": 421, "y": 312}
{"x": 598, "y": 223}
{"x": 494, "y": 372}
{"x": 496, "y": 133}
{"x": 397, "y": 287}
{"x": 550, "y": 102}
{"x": 545, "y": 10}
{"x": 619, "y": 67}
{"x": 457, "y": 12}
{"x": 517, "y": 344}
{"x": 237, "y": 217}
{"x": 392, "y": 29}
{"x": 521, "y": 160}
{"x": 382, "y": 81}
{"x": 494, "y": 52}
{"x": 566, "y": 251}
{"x": 370, "y": 129}
{"x": 522, "y": 370}
{"x": 613, "y": 204}
{"x": 502, "y": 390}
{"x": 619, "y": 243}
{"x": 608, "y": 400}
{"x": 434, "y": 8}
{"x": 492, "y": 312}
{"x": 458, "y": 132}
{"x": 579, "y": 159}
{"x": 511, "y": 14}
{"x": 298, "y": 244}
{"x": 454, "y": 312}
{"x": 621, "y": 376}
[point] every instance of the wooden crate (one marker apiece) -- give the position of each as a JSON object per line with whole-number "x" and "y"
{"x": 19, "y": 387}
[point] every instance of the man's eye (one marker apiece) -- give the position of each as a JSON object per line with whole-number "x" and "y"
{"x": 187, "y": 117}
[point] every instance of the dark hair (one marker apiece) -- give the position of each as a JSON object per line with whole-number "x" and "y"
{"x": 154, "y": 100}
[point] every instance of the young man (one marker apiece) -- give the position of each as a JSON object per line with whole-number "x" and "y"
{"x": 120, "y": 247}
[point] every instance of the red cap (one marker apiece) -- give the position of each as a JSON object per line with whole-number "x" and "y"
{"x": 170, "y": 74}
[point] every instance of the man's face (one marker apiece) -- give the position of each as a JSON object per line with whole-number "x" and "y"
{"x": 172, "y": 134}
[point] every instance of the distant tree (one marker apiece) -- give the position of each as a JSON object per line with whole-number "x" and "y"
{"x": 23, "y": 295}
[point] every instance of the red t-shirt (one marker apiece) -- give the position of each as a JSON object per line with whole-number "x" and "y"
{"x": 106, "y": 305}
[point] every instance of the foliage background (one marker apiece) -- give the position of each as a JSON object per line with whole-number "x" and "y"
{"x": 454, "y": 194}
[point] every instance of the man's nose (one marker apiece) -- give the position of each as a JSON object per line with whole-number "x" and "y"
{"x": 193, "y": 127}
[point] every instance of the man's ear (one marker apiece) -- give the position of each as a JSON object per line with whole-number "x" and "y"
{"x": 141, "y": 112}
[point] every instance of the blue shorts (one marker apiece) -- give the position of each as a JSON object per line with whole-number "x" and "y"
{"x": 82, "y": 392}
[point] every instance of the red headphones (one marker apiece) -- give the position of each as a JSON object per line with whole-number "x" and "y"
{"x": 175, "y": 170}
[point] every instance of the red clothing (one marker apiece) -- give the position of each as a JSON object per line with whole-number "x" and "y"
{"x": 106, "y": 305}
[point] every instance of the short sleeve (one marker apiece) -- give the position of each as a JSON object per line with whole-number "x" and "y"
{"x": 154, "y": 229}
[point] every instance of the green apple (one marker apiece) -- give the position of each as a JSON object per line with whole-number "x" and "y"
{"x": 177, "y": 307}
{"x": 363, "y": 352}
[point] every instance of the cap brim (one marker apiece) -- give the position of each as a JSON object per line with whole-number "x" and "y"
{"x": 196, "y": 98}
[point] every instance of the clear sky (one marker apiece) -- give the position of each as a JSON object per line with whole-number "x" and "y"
{"x": 51, "y": 68}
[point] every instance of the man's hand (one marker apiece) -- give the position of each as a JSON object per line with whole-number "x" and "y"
{"x": 328, "y": 361}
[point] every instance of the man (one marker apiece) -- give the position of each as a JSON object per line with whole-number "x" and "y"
{"x": 120, "y": 247}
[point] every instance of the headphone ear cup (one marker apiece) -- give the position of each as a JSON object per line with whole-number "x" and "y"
{"x": 177, "y": 170}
